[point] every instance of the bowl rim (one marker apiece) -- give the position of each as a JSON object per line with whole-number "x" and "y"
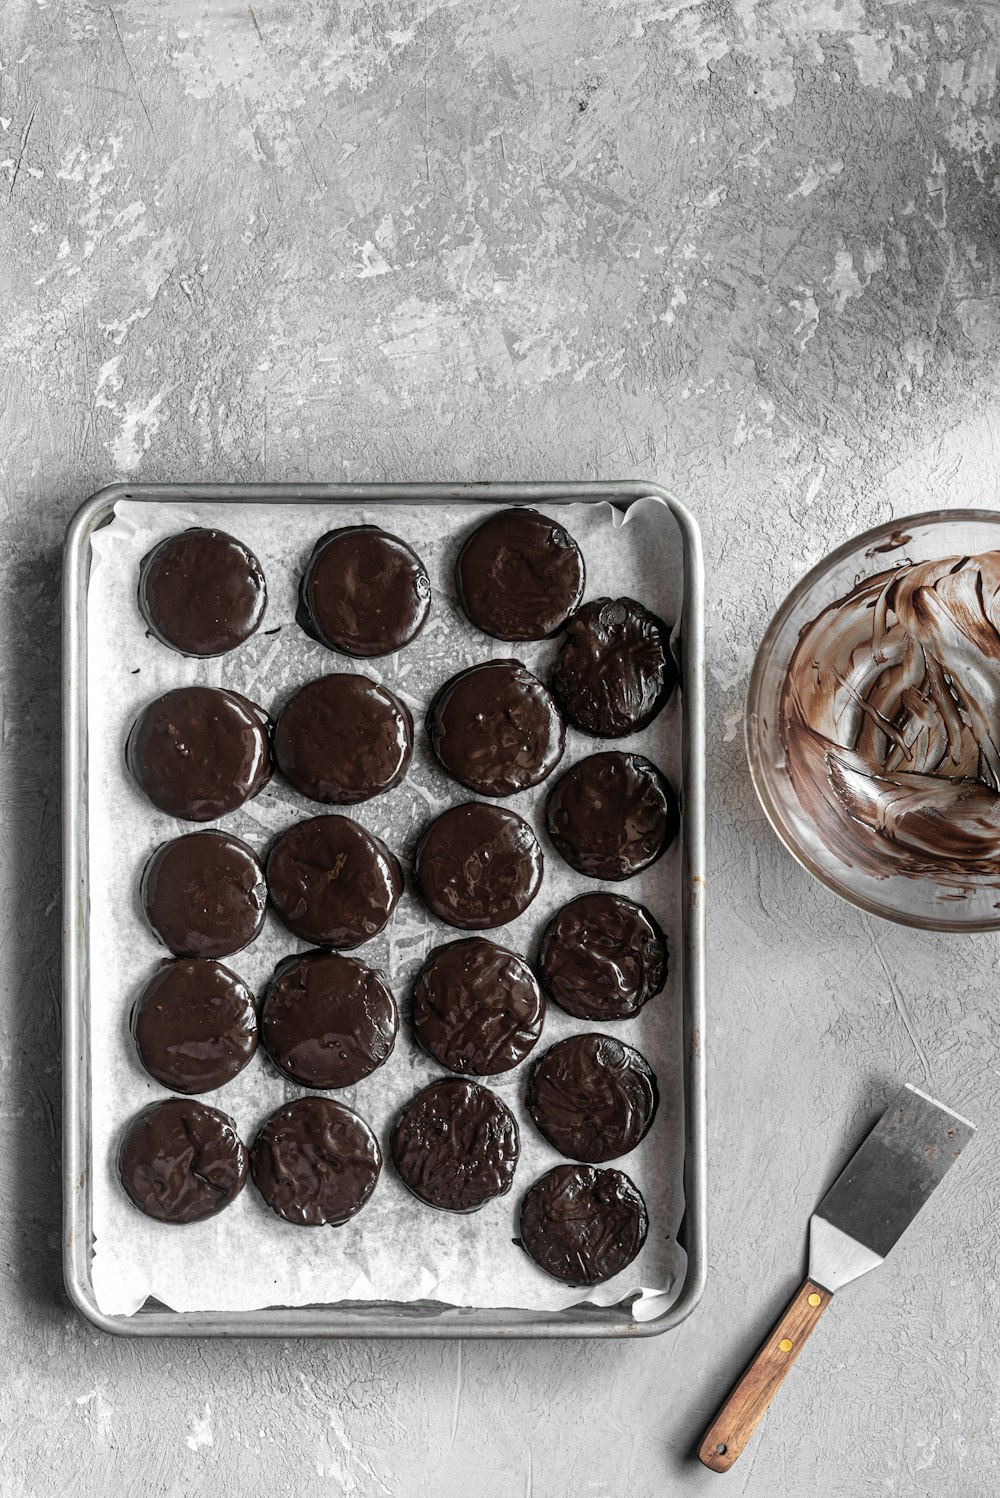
{"x": 751, "y": 721}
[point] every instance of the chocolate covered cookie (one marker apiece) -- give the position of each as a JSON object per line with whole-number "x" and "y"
{"x": 478, "y": 866}
{"x": 603, "y": 957}
{"x": 332, "y": 882}
{"x": 583, "y": 1226}
{"x": 364, "y": 593}
{"x": 615, "y": 671}
{"x": 204, "y": 894}
{"x": 201, "y": 592}
{"x": 181, "y": 1161}
{"x": 327, "y": 1020}
{"x": 477, "y": 1008}
{"x": 194, "y": 1025}
{"x": 315, "y": 1162}
{"x": 612, "y": 815}
{"x": 519, "y": 575}
{"x": 200, "y": 752}
{"x": 592, "y": 1097}
{"x": 496, "y": 729}
{"x": 342, "y": 739}
{"x": 456, "y": 1145}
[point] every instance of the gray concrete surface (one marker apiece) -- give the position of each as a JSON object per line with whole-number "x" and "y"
{"x": 747, "y": 248}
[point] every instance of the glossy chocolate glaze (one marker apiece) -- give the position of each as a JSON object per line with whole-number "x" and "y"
{"x": 204, "y": 894}
{"x": 456, "y": 1145}
{"x": 315, "y": 1162}
{"x": 582, "y": 1225}
{"x": 592, "y": 1097}
{"x": 477, "y": 1008}
{"x": 364, "y": 593}
{"x": 200, "y": 752}
{"x": 195, "y": 1025}
{"x": 342, "y": 739}
{"x": 519, "y": 575}
{"x": 327, "y": 1020}
{"x": 496, "y": 728}
{"x": 181, "y": 1161}
{"x": 201, "y": 592}
{"x": 332, "y": 882}
{"x": 478, "y": 866}
{"x": 612, "y": 814}
{"x": 603, "y": 957}
{"x": 615, "y": 671}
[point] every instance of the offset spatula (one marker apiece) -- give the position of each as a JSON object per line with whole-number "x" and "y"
{"x": 867, "y": 1208}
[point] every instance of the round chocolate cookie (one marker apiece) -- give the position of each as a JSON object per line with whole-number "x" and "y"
{"x": 364, "y": 592}
{"x": 204, "y": 894}
{"x": 582, "y": 1225}
{"x": 615, "y": 671}
{"x": 478, "y": 866}
{"x": 201, "y": 592}
{"x": 612, "y": 815}
{"x": 332, "y": 882}
{"x": 181, "y": 1161}
{"x": 327, "y": 1020}
{"x": 456, "y": 1145}
{"x": 476, "y": 1007}
{"x": 603, "y": 957}
{"x": 592, "y": 1097}
{"x": 315, "y": 1162}
{"x": 519, "y": 575}
{"x": 496, "y": 728}
{"x": 194, "y": 1025}
{"x": 199, "y": 752}
{"x": 342, "y": 739}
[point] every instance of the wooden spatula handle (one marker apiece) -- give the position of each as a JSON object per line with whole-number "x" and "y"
{"x": 742, "y": 1412}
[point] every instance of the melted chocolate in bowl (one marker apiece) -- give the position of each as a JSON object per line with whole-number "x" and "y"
{"x": 315, "y": 1162}
{"x": 592, "y": 1097}
{"x": 582, "y": 1225}
{"x": 496, "y": 729}
{"x": 181, "y": 1161}
{"x": 478, "y": 866}
{"x": 195, "y": 1025}
{"x": 342, "y": 739}
{"x": 364, "y": 593}
{"x": 519, "y": 575}
{"x": 332, "y": 882}
{"x": 327, "y": 1020}
{"x": 204, "y": 894}
{"x": 477, "y": 1008}
{"x": 202, "y": 592}
{"x": 890, "y": 721}
{"x": 456, "y": 1145}
{"x": 200, "y": 752}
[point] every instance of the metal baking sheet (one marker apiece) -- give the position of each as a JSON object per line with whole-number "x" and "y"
{"x": 381, "y": 1319}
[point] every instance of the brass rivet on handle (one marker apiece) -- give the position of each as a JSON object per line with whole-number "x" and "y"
{"x": 785, "y": 1345}
{"x": 815, "y": 1299}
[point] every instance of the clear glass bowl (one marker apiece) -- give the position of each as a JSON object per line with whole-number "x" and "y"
{"x": 926, "y": 901}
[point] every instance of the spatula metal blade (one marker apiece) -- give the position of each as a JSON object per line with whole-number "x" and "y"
{"x": 876, "y": 1197}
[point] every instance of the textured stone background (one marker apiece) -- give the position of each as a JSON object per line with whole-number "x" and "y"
{"x": 746, "y": 247}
